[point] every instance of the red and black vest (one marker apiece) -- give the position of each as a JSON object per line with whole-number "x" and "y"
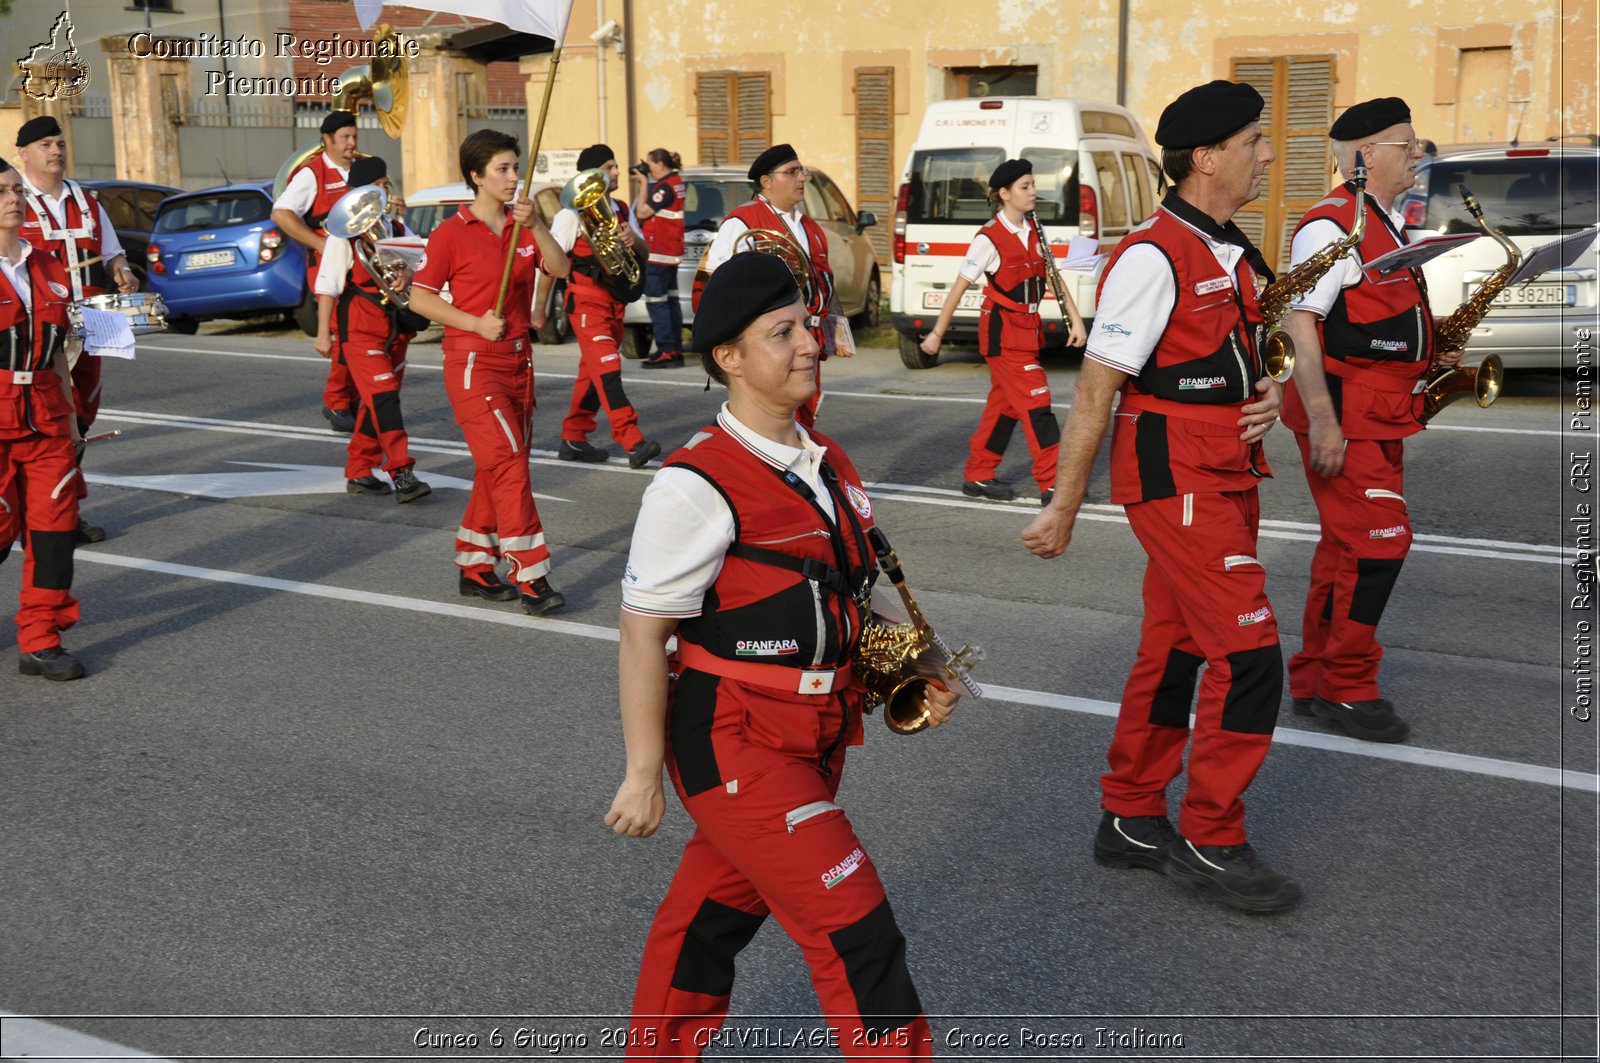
{"x": 49, "y": 234}
{"x": 331, "y": 184}
{"x": 758, "y": 214}
{"x": 30, "y": 392}
{"x": 1010, "y": 314}
{"x": 1377, "y": 338}
{"x": 663, "y": 230}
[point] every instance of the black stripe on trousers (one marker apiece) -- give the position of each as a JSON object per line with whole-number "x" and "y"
{"x": 1175, "y": 693}
{"x": 715, "y": 936}
{"x": 1151, "y": 450}
{"x": 1251, "y": 706}
{"x": 1000, "y": 434}
{"x": 52, "y": 559}
{"x": 694, "y": 706}
{"x": 873, "y": 952}
{"x": 1375, "y": 579}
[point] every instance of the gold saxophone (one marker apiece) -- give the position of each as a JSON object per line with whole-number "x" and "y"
{"x": 1445, "y": 385}
{"x": 589, "y": 196}
{"x": 1277, "y": 352}
{"x": 898, "y": 662}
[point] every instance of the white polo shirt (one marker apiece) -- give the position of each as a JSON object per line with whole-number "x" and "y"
{"x": 1345, "y": 273}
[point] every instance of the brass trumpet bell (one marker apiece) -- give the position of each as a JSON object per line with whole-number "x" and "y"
{"x": 1277, "y": 356}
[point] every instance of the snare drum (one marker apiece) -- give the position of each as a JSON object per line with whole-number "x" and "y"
{"x": 145, "y": 311}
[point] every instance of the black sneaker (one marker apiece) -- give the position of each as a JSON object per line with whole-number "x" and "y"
{"x": 1370, "y": 721}
{"x": 580, "y": 451}
{"x": 1301, "y": 706}
{"x": 343, "y": 421}
{"x": 487, "y": 585}
{"x": 1133, "y": 841}
{"x": 640, "y": 455}
{"x": 407, "y": 488}
{"x": 366, "y": 485}
{"x": 53, "y": 662}
{"x": 89, "y": 533}
{"x": 997, "y": 490}
{"x": 539, "y": 597}
{"x": 1234, "y": 874}
{"x": 664, "y": 361}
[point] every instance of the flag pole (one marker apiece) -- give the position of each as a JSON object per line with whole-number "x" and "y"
{"x": 527, "y": 181}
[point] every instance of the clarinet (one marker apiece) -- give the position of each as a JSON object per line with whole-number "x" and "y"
{"x": 1058, "y": 287}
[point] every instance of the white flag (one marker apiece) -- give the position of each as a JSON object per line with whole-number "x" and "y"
{"x": 544, "y": 18}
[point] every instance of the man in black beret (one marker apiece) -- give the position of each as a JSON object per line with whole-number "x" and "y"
{"x": 66, "y": 220}
{"x": 1361, "y": 349}
{"x": 780, "y": 190}
{"x": 1176, "y": 335}
{"x": 300, "y": 209}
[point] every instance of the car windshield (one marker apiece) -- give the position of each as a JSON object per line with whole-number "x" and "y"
{"x": 214, "y": 212}
{"x": 1527, "y": 196}
{"x": 707, "y": 201}
{"x": 951, "y": 185}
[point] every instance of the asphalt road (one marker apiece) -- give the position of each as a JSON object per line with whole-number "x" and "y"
{"x": 310, "y": 803}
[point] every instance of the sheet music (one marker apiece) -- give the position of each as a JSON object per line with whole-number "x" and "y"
{"x": 106, "y": 334}
{"x": 1557, "y": 254}
{"x": 1081, "y": 256}
{"x": 1415, "y": 254}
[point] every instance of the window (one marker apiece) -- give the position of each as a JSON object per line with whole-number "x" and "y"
{"x": 837, "y": 205}
{"x": 1055, "y": 175}
{"x": 1113, "y": 193}
{"x": 1107, "y": 122}
{"x": 950, "y": 185}
{"x": 706, "y": 202}
{"x": 994, "y": 81}
{"x": 735, "y": 116}
{"x": 817, "y": 207}
{"x": 1537, "y": 196}
{"x": 1134, "y": 166}
{"x": 214, "y": 212}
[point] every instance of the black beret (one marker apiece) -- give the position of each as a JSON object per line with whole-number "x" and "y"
{"x": 771, "y": 159}
{"x": 595, "y": 155}
{"x": 1208, "y": 114}
{"x": 336, "y": 121}
{"x": 37, "y": 129}
{"x": 1008, "y": 172}
{"x": 367, "y": 169}
{"x": 743, "y": 288}
{"x": 1365, "y": 119}
{"x": 4, "y": 166}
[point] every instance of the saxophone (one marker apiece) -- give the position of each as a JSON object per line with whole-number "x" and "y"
{"x": 1277, "y": 352}
{"x": 1445, "y": 385}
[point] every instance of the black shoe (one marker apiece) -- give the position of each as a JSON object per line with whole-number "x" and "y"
{"x": 664, "y": 361}
{"x": 53, "y": 662}
{"x": 340, "y": 420}
{"x": 1301, "y": 706}
{"x": 641, "y": 454}
{"x": 89, "y": 533}
{"x": 997, "y": 490}
{"x": 1370, "y": 721}
{"x": 539, "y": 597}
{"x": 1234, "y": 874}
{"x": 487, "y": 585}
{"x": 407, "y": 488}
{"x": 366, "y": 485}
{"x": 580, "y": 451}
{"x": 1046, "y": 497}
{"x": 1133, "y": 841}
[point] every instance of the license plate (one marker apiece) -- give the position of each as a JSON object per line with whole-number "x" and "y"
{"x": 207, "y": 259}
{"x": 936, "y": 300}
{"x": 692, "y": 252}
{"x": 1538, "y": 295}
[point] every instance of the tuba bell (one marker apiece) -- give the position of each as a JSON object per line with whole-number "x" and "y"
{"x": 355, "y": 217}
{"x": 589, "y": 196}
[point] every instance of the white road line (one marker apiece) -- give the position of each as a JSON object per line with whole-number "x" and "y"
{"x": 22, "y": 1038}
{"x": 1503, "y": 769}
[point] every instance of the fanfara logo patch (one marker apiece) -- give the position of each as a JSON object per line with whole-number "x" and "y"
{"x": 766, "y": 647}
{"x": 59, "y": 289}
{"x": 843, "y": 869}
{"x": 1246, "y": 619}
{"x": 858, "y": 500}
{"x": 1215, "y": 284}
{"x": 1387, "y": 533}
{"x": 1201, "y": 383}
{"x": 1390, "y": 345}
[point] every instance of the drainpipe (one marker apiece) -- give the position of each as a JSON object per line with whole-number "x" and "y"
{"x": 633, "y": 151}
{"x": 1122, "y": 53}
{"x": 600, "y": 67}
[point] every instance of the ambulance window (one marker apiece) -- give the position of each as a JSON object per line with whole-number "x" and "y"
{"x": 1113, "y": 194}
{"x": 1107, "y": 122}
{"x": 951, "y": 185}
{"x": 1055, "y": 175}
{"x": 1138, "y": 186}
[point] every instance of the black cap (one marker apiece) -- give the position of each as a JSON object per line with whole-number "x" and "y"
{"x": 4, "y": 165}
{"x": 1208, "y": 114}
{"x": 595, "y": 155}
{"x": 743, "y": 288}
{"x": 1373, "y": 116}
{"x": 37, "y": 129}
{"x": 1007, "y": 172}
{"x": 366, "y": 170}
{"x": 336, "y": 121}
{"x": 769, "y": 160}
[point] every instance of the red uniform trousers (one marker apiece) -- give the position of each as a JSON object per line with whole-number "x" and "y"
{"x": 39, "y": 501}
{"x": 379, "y": 440}
{"x": 1205, "y": 602}
{"x": 775, "y": 842}
{"x": 1019, "y": 392}
{"x": 598, "y": 327}
{"x": 491, "y": 395}
{"x": 339, "y": 390}
{"x": 1366, "y": 534}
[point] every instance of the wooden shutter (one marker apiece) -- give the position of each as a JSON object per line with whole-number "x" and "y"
{"x": 714, "y": 101}
{"x": 1298, "y": 90}
{"x": 754, "y": 120}
{"x": 735, "y": 116}
{"x": 875, "y": 189}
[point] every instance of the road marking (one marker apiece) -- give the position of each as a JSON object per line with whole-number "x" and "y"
{"x": 278, "y": 480}
{"x": 1432, "y": 758}
{"x": 24, "y": 1038}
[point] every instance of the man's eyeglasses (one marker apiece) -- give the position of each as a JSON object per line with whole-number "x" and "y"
{"x": 1411, "y": 145}
{"x": 790, "y": 171}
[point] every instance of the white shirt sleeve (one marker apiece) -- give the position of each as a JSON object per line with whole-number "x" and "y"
{"x": 1346, "y": 273}
{"x": 680, "y": 538}
{"x": 334, "y": 267}
{"x": 1136, "y": 301}
{"x": 300, "y": 193}
{"x": 564, "y": 227}
{"x": 982, "y": 257}
{"x": 110, "y": 246}
{"x": 721, "y": 248}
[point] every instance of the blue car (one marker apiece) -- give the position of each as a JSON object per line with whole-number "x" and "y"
{"x": 216, "y": 253}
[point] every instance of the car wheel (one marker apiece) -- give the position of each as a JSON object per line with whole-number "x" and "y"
{"x": 305, "y": 315}
{"x": 636, "y": 341}
{"x": 557, "y": 329}
{"x": 912, "y": 355}
{"x": 871, "y": 315}
{"x": 183, "y": 326}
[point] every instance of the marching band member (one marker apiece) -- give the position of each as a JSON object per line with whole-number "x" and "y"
{"x": 780, "y": 189}
{"x": 1175, "y": 334}
{"x": 755, "y": 746}
{"x": 596, "y": 316}
{"x": 1362, "y": 347}
{"x": 312, "y": 191}
{"x": 39, "y": 438}
{"x": 659, "y": 208}
{"x": 69, "y": 223}
{"x": 488, "y": 368}
{"x": 373, "y": 337}
{"x": 1010, "y": 334}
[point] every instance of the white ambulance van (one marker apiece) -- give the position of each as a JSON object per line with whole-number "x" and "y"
{"x": 1097, "y": 176}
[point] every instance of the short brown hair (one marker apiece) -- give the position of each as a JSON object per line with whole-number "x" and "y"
{"x": 479, "y": 148}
